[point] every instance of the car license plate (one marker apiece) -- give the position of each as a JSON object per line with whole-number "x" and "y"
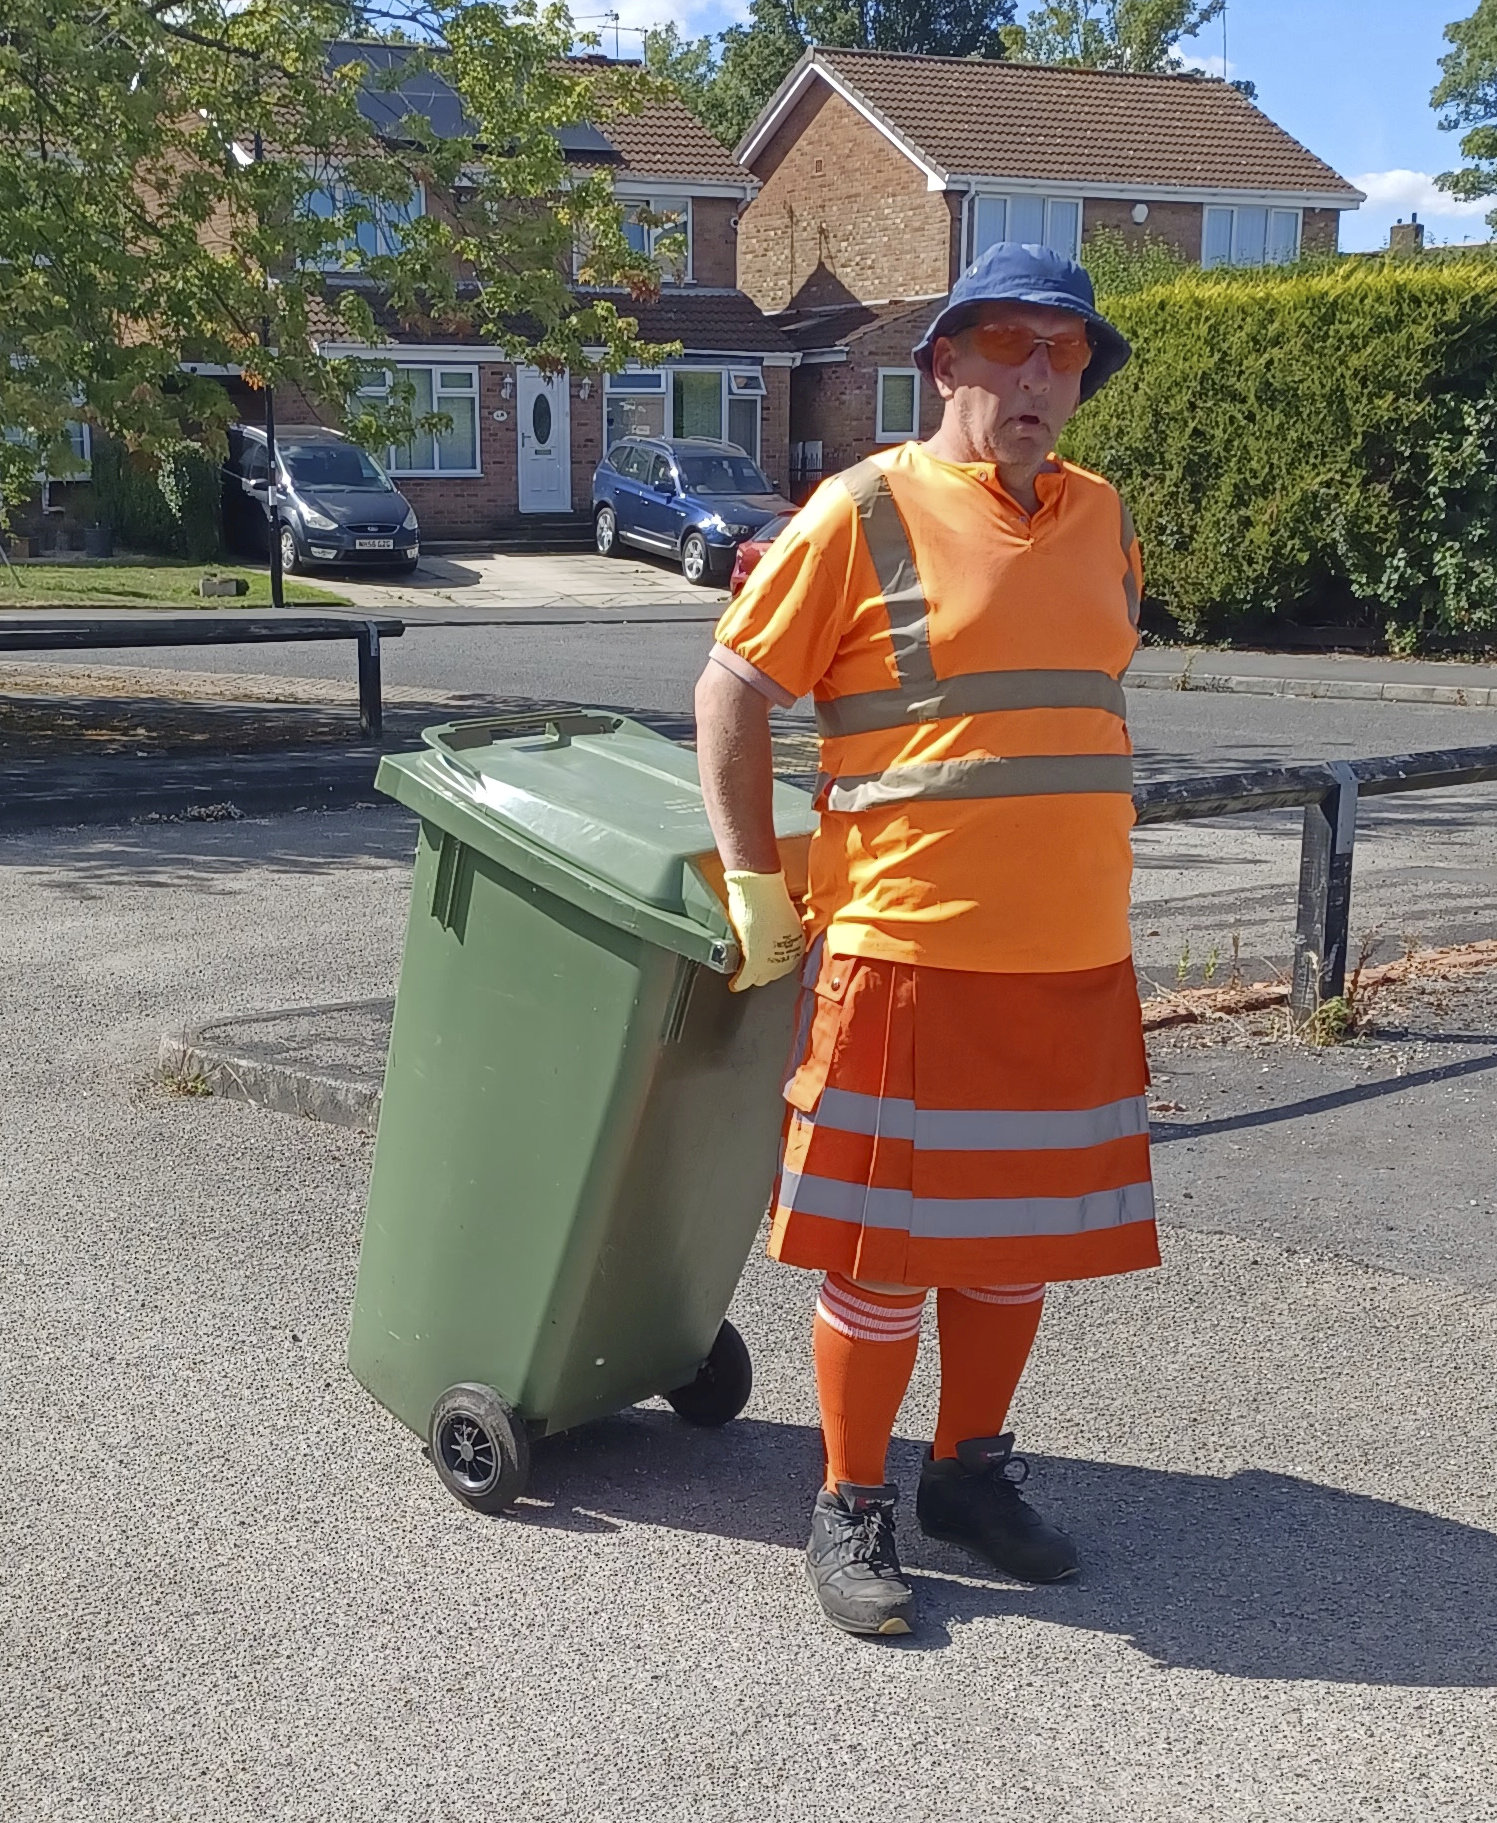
{"x": 374, "y": 544}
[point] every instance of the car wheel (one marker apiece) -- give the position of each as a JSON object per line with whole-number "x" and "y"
{"x": 291, "y": 560}
{"x": 606, "y": 532}
{"x": 696, "y": 559}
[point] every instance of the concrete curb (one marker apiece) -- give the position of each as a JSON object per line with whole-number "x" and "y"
{"x": 78, "y": 790}
{"x": 1337, "y": 689}
{"x": 226, "y": 1059}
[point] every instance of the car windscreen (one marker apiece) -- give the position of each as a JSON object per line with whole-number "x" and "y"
{"x": 714, "y": 474}
{"x": 318, "y": 465}
{"x": 772, "y": 528}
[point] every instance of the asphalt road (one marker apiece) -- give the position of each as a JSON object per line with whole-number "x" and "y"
{"x": 231, "y": 1589}
{"x": 1426, "y": 865}
{"x": 654, "y": 665}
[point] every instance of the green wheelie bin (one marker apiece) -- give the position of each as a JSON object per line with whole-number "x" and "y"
{"x": 578, "y": 1132}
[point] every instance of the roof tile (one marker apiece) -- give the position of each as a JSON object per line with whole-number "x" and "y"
{"x": 704, "y": 322}
{"x": 1044, "y": 123}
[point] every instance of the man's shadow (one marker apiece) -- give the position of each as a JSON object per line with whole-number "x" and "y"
{"x": 1255, "y": 1575}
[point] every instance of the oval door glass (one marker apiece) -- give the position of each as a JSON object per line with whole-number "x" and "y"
{"x": 540, "y": 418}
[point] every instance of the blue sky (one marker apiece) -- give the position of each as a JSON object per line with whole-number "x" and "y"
{"x": 1348, "y": 78}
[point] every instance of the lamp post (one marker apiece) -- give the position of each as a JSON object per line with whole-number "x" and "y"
{"x": 272, "y": 495}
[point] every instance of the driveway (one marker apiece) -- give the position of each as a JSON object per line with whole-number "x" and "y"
{"x": 508, "y": 581}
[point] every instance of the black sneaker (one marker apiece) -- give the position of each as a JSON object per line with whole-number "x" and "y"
{"x": 852, "y": 1562}
{"x": 975, "y": 1501}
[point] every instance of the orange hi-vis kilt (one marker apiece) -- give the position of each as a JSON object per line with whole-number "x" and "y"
{"x": 966, "y": 661}
{"x": 948, "y": 1127}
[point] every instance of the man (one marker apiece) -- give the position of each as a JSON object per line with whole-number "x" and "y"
{"x": 966, "y": 1099}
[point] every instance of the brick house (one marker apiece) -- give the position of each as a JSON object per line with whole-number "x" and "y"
{"x": 523, "y": 446}
{"x": 881, "y": 175}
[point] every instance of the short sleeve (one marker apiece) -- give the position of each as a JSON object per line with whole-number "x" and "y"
{"x": 794, "y": 609}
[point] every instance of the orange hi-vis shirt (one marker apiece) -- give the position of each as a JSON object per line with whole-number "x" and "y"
{"x": 966, "y": 661}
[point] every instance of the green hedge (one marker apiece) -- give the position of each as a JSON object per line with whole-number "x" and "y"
{"x": 166, "y": 505}
{"x": 1318, "y": 445}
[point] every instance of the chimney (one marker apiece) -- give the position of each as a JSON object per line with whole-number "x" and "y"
{"x": 1406, "y": 236}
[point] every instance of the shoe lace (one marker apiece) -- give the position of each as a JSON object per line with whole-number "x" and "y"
{"x": 872, "y": 1533}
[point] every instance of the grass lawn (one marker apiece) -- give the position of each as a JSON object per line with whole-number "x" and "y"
{"x": 141, "y": 585}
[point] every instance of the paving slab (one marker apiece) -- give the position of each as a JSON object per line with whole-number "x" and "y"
{"x": 525, "y": 581}
{"x": 232, "y": 1588}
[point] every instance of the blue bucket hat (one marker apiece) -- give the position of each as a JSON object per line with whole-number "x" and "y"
{"x": 1013, "y": 272}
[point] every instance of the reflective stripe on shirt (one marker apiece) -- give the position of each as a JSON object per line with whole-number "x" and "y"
{"x": 1026, "y": 776}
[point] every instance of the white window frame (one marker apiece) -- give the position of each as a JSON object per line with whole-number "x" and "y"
{"x": 742, "y": 382}
{"x": 333, "y": 258}
{"x": 1008, "y": 199}
{"x": 81, "y": 441}
{"x": 1232, "y": 259}
{"x": 435, "y": 368}
{"x": 637, "y": 383}
{"x": 881, "y": 433}
{"x": 660, "y": 203}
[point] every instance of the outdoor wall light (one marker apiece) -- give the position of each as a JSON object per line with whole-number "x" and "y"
{"x": 1140, "y": 213}
{"x": 585, "y": 390}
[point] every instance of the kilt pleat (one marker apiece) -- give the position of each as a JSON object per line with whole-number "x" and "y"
{"x": 947, "y": 1127}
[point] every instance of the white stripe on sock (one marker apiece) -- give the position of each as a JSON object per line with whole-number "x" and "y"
{"x": 857, "y": 1332}
{"x": 1002, "y": 1294}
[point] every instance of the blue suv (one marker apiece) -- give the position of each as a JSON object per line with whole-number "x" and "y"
{"x": 688, "y": 498}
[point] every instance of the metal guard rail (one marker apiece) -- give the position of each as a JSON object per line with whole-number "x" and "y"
{"x": 1329, "y": 792}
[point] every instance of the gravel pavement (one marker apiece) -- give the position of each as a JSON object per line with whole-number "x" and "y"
{"x": 233, "y": 1590}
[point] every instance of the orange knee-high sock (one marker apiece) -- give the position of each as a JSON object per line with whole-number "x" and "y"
{"x": 865, "y": 1344}
{"x": 986, "y": 1336}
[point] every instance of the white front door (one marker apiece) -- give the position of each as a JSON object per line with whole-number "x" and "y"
{"x": 545, "y": 426}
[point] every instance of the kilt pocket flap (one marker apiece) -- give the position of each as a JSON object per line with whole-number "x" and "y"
{"x": 816, "y": 1034}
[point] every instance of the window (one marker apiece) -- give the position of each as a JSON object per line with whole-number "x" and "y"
{"x": 634, "y": 405}
{"x": 452, "y": 391}
{"x": 77, "y": 465}
{"x": 324, "y": 465}
{"x": 713, "y": 474}
{"x": 744, "y": 393}
{"x": 1249, "y": 236}
{"x": 665, "y": 237}
{"x": 696, "y": 403}
{"x": 686, "y": 402}
{"x": 898, "y": 404}
{"x": 254, "y": 465}
{"x": 660, "y": 474}
{"x": 381, "y": 233}
{"x": 1044, "y": 221}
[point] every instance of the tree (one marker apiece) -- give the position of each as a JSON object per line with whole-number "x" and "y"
{"x": 1468, "y": 94}
{"x": 1111, "y": 34}
{"x": 753, "y": 60}
{"x": 180, "y": 179}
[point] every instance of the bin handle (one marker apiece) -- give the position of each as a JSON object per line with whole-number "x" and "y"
{"x": 453, "y": 738}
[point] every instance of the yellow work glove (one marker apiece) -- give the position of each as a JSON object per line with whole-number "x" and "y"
{"x": 767, "y": 927}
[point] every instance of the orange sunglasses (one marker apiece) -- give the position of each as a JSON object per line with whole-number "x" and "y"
{"x": 1011, "y": 345}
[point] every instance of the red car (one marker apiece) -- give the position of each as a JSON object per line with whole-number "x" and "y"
{"x": 752, "y": 549}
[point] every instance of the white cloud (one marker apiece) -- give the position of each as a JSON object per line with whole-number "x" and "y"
{"x": 1411, "y": 192}
{"x": 696, "y": 18}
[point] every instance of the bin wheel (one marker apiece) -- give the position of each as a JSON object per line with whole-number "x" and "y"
{"x": 723, "y": 1383}
{"x": 479, "y": 1448}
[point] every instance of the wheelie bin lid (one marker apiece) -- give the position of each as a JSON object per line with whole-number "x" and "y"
{"x": 600, "y": 810}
